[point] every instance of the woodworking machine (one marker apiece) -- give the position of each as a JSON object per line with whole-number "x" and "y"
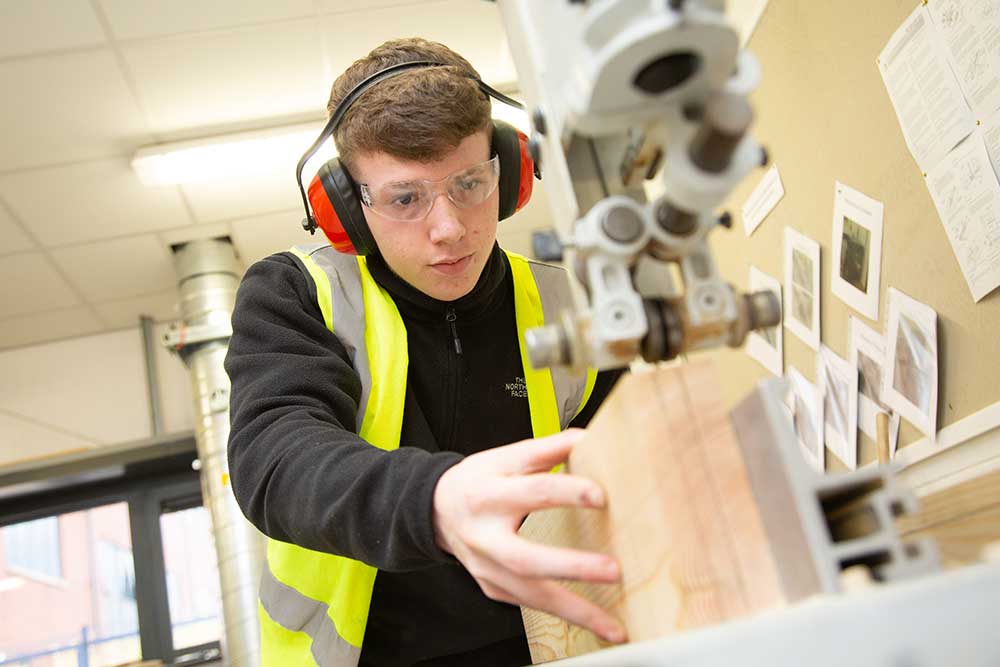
{"x": 629, "y": 98}
{"x": 640, "y": 123}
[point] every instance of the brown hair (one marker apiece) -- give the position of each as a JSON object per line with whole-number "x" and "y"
{"x": 419, "y": 115}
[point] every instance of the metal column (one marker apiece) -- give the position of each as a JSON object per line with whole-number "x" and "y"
{"x": 208, "y": 275}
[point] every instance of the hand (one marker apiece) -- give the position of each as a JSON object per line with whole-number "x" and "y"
{"x": 480, "y": 503}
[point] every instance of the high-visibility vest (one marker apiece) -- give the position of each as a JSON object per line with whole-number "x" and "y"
{"x": 313, "y": 605}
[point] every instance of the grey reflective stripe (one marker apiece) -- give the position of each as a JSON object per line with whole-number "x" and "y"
{"x": 348, "y": 312}
{"x": 555, "y": 294}
{"x": 298, "y": 613}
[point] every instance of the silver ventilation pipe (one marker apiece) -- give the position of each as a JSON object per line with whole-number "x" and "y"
{"x": 208, "y": 275}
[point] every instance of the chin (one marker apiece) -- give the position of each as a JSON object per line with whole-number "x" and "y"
{"x": 453, "y": 291}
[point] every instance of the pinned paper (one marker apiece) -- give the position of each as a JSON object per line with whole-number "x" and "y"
{"x": 802, "y": 287}
{"x": 762, "y": 200}
{"x": 766, "y": 346}
{"x": 911, "y": 379}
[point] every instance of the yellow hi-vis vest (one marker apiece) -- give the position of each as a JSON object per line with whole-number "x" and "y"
{"x": 313, "y": 605}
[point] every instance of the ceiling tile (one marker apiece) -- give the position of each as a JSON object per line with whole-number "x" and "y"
{"x": 90, "y": 201}
{"x": 265, "y": 235}
{"x": 29, "y": 283}
{"x": 35, "y": 26}
{"x": 46, "y": 383}
{"x": 472, "y": 29}
{"x": 271, "y": 189}
{"x": 69, "y": 108}
{"x": 118, "y": 268}
{"x": 211, "y": 80}
{"x": 150, "y": 18}
{"x": 48, "y": 326}
{"x": 25, "y": 439}
{"x": 12, "y": 236}
{"x": 122, "y": 313}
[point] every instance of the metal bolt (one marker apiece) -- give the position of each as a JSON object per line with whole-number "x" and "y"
{"x": 726, "y": 220}
{"x": 538, "y": 121}
{"x": 765, "y": 158}
{"x": 535, "y": 151}
{"x": 622, "y": 224}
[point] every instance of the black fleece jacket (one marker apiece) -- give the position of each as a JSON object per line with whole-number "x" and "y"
{"x": 301, "y": 474}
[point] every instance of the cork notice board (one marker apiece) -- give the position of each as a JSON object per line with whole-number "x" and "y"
{"x": 824, "y": 115}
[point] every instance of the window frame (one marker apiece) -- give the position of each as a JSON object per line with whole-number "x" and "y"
{"x": 153, "y": 477}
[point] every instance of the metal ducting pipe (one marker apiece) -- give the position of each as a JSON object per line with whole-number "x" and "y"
{"x": 208, "y": 275}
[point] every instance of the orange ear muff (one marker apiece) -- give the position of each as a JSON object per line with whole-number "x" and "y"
{"x": 337, "y": 210}
{"x": 517, "y": 169}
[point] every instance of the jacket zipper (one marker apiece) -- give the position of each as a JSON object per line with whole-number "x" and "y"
{"x": 450, "y": 317}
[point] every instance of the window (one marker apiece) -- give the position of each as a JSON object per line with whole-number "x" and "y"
{"x": 192, "y": 577}
{"x": 108, "y": 560}
{"x": 90, "y": 617}
{"x": 33, "y": 547}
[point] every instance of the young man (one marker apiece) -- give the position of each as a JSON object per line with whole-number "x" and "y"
{"x": 374, "y": 400}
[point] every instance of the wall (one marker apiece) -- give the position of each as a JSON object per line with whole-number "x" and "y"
{"x": 824, "y": 115}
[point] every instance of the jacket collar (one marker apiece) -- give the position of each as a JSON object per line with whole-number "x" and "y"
{"x": 485, "y": 297}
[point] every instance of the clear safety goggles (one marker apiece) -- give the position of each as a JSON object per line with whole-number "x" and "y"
{"x": 411, "y": 201}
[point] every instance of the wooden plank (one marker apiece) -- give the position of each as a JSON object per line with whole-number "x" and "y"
{"x": 681, "y": 516}
{"x": 961, "y": 541}
{"x": 955, "y": 502}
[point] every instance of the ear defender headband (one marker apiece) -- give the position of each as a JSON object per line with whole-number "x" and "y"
{"x": 334, "y": 206}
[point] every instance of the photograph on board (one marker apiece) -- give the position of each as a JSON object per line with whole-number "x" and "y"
{"x": 870, "y": 379}
{"x": 910, "y": 384}
{"x": 857, "y": 250}
{"x": 807, "y": 418}
{"x": 915, "y": 367}
{"x": 866, "y": 354}
{"x": 802, "y": 287}
{"x": 855, "y": 242}
{"x": 836, "y": 381}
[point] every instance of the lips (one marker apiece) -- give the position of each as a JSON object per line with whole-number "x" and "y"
{"x": 452, "y": 266}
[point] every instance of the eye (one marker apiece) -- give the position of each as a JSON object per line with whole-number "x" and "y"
{"x": 469, "y": 183}
{"x": 404, "y": 199}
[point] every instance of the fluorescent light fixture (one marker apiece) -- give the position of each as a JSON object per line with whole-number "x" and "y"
{"x": 263, "y": 152}
{"x": 230, "y": 156}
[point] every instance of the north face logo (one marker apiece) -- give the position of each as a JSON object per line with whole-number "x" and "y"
{"x": 517, "y": 388}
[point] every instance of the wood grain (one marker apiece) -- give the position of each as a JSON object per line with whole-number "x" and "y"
{"x": 681, "y": 516}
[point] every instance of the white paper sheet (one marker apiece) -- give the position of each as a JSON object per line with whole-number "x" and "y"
{"x": 991, "y": 134}
{"x": 802, "y": 287}
{"x": 967, "y": 196}
{"x": 970, "y": 32}
{"x": 762, "y": 200}
{"x": 857, "y": 250}
{"x": 836, "y": 381}
{"x": 911, "y": 379}
{"x": 932, "y": 113}
{"x": 866, "y": 353}
{"x": 807, "y": 410}
{"x": 766, "y": 347}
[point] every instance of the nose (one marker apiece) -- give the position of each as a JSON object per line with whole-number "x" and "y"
{"x": 443, "y": 221}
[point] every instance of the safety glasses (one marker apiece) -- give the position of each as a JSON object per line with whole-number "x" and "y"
{"x": 411, "y": 201}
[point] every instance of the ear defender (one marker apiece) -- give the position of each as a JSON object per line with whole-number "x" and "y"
{"x": 332, "y": 203}
{"x": 337, "y": 210}
{"x": 517, "y": 169}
